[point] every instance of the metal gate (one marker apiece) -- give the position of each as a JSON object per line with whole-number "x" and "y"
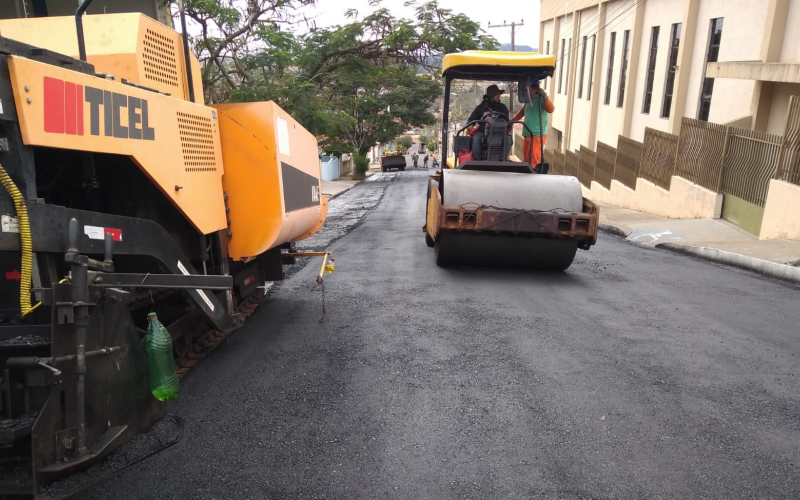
{"x": 750, "y": 162}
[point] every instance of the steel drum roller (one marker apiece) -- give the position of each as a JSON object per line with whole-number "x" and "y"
{"x": 511, "y": 191}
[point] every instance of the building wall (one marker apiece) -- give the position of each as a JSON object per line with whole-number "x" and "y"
{"x": 664, "y": 14}
{"x": 780, "y": 106}
{"x": 561, "y": 76}
{"x": 555, "y": 8}
{"x": 547, "y": 37}
{"x": 619, "y": 17}
{"x": 582, "y": 106}
{"x": 790, "y": 53}
{"x": 742, "y": 32}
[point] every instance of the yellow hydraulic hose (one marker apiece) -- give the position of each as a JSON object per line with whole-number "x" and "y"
{"x": 39, "y": 303}
{"x": 25, "y": 246}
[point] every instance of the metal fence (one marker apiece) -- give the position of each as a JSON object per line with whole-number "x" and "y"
{"x": 789, "y": 167}
{"x": 750, "y": 161}
{"x": 587, "y": 166}
{"x": 559, "y": 162}
{"x": 573, "y": 164}
{"x": 626, "y": 164}
{"x": 604, "y": 164}
{"x": 701, "y": 149}
{"x": 658, "y": 157}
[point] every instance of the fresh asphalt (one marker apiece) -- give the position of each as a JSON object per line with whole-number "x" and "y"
{"x": 636, "y": 373}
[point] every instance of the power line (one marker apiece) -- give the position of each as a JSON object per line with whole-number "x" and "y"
{"x": 513, "y": 27}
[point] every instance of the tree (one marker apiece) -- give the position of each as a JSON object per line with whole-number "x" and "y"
{"x": 405, "y": 141}
{"x": 423, "y": 139}
{"x": 351, "y": 85}
{"x": 432, "y": 147}
{"x": 238, "y": 40}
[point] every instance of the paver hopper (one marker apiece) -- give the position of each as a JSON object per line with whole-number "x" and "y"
{"x": 496, "y": 209}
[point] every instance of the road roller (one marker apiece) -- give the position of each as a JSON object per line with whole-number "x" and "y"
{"x": 497, "y": 210}
{"x": 125, "y": 197}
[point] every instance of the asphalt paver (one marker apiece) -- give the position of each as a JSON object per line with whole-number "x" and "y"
{"x": 637, "y": 373}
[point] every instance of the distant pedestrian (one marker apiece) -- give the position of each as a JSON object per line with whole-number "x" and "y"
{"x": 415, "y": 158}
{"x": 425, "y": 161}
{"x": 435, "y": 162}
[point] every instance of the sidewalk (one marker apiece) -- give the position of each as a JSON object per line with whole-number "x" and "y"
{"x": 332, "y": 189}
{"x": 711, "y": 239}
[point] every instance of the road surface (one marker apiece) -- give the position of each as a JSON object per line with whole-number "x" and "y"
{"x": 635, "y": 374}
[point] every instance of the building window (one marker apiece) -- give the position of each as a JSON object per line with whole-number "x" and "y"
{"x": 672, "y": 66}
{"x": 591, "y": 70}
{"x": 624, "y": 68}
{"x": 583, "y": 64}
{"x": 547, "y": 52}
{"x": 610, "y": 71}
{"x": 651, "y": 70}
{"x": 561, "y": 67}
{"x": 569, "y": 52}
{"x": 707, "y": 87}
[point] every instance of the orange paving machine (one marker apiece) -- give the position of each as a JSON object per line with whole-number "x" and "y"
{"x": 123, "y": 195}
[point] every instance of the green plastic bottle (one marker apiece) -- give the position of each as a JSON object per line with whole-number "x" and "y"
{"x": 158, "y": 345}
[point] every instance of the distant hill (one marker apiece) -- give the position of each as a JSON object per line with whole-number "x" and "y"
{"x": 518, "y": 48}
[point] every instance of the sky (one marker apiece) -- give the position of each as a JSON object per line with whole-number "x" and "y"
{"x": 331, "y": 12}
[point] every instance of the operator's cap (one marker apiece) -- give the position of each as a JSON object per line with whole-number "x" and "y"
{"x": 493, "y": 90}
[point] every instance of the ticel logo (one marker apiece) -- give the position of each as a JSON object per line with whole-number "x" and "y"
{"x": 63, "y": 111}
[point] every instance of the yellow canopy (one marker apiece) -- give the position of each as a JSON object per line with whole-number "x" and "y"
{"x": 496, "y": 61}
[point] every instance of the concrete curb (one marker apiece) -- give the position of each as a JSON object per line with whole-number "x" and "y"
{"x": 765, "y": 267}
{"x": 333, "y": 196}
{"x": 616, "y": 231}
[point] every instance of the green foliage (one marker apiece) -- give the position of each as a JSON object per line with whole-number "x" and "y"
{"x": 351, "y": 85}
{"x": 431, "y": 147}
{"x": 405, "y": 141}
{"x": 423, "y": 139}
{"x": 360, "y": 166}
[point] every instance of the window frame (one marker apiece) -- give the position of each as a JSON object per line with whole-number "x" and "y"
{"x": 712, "y": 55}
{"x": 561, "y": 67}
{"x": 583, "y": 67}
{"x": 610, "y": 70}
{"x": 568, "y": 55}
{"x": 672, "y": 69}
{"x": 591, "y": 70}
{"x": 650, "y": 75}
{"x": 547, "y": 52}
{"x": 623, "y": 67}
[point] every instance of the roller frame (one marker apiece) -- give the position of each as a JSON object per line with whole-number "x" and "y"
{"x": 448, "y": 218}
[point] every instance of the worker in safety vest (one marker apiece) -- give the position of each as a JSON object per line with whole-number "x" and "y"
{"x": 533, "y": 132}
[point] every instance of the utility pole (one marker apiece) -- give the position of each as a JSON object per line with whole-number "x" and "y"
{"x": 513, "y": 25}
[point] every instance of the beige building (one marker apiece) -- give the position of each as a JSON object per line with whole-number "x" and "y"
{"x": 624, "y": 65}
